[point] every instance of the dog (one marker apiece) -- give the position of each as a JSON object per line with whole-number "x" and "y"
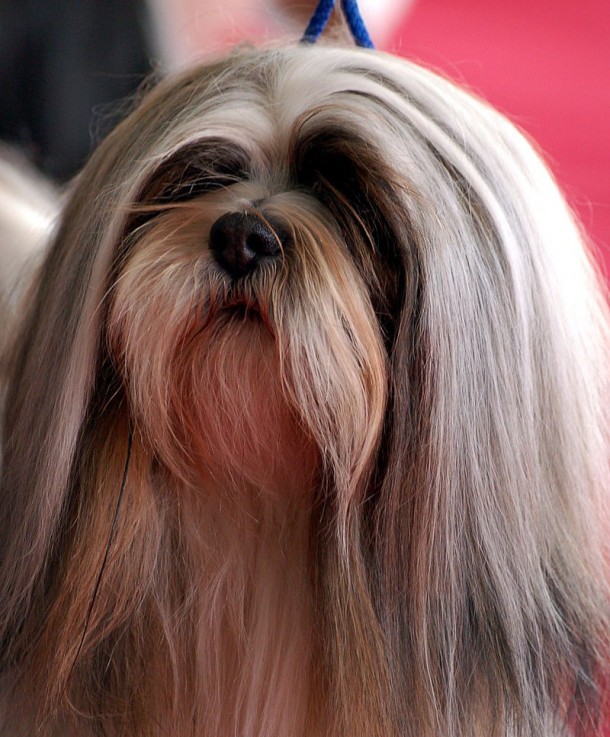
{"x": 306, "y": 425}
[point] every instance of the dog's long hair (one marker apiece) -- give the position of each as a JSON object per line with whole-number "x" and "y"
{"x": 28, "y": 206}
{"x": 361, "y": 491}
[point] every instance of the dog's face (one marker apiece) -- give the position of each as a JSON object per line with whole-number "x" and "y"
{"x": 262, "y": 280}
{"x": 247, "y": 316}
{"x": 336, "y": 315}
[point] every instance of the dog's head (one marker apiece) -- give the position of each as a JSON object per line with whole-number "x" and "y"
{"x": 328, "y": 276}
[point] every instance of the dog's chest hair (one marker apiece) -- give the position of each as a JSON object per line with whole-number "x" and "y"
{"x": 255, "y": 619}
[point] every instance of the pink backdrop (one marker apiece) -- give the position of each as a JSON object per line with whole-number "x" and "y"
{"x": 546, "y": 64}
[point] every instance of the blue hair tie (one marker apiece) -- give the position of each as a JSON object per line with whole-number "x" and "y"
{"x": 320, "y": 17}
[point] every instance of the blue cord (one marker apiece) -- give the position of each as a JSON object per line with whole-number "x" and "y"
{"x": 318, "y": 21}
{"x": 356, "y": 24}
{"x": 354, "y": 20}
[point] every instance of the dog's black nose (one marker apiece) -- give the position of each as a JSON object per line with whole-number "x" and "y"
{"x": 240, "y": 240}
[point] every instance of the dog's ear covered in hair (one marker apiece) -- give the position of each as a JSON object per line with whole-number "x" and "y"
{"x": 29, "y": 205}
{"x": 428, "y": 362}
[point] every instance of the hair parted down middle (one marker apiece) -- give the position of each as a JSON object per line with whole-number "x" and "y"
{"x": 367, "y": 490}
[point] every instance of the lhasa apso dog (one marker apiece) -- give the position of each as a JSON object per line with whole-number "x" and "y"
{"x": 305, "y": 428}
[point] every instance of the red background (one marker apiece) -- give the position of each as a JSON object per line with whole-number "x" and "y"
{"x": 544, "y": 63}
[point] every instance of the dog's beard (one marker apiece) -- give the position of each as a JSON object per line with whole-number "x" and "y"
{"x": 257, "y": 396}
{"x": 267, "y": 382}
